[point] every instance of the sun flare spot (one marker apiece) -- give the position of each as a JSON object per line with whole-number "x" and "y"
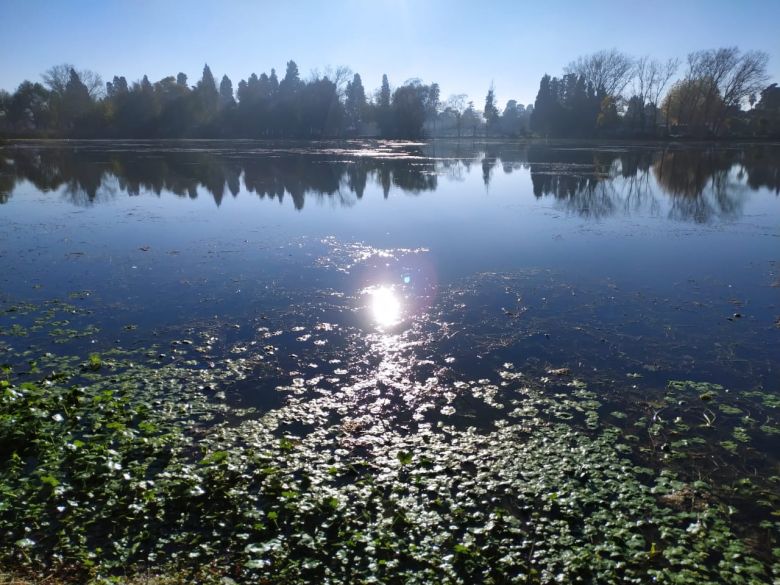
{"x": 385, "y": 306}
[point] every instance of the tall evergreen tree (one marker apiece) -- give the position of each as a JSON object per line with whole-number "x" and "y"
{"x": 75, "y": 100}
{"x": 433, "y": 103}
{"x": 355, "y": 102}
{"x": 208, "y": 94}
{"x": 383, "y": 113}
{"x": 292, "y": 79}
{"x": 226, "y": 93}
{"x": 242, "y": 92}
{"x": 384, "y": 93}
{"x": 491, "y": 111}
{"x": 540, "y": 119}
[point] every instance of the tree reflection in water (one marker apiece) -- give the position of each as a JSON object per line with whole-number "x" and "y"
{"x": 701, "y": 182}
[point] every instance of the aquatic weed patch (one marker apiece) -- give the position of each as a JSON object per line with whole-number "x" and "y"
{"x": 137, "y": 469}
{"x": 394, "y": 458}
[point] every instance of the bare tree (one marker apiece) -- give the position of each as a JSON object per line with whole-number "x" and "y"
{"x": 57, "y": 78}
{"x": 746, "y": 78}
{"x": 665, "y": 72}
{"x": 726, "y": 78}
{"x": 650, "y": 79}
{"x": 608, "y": 71}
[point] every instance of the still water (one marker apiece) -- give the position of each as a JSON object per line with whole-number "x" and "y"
{"x": 399, "y": 270}
{"x": 652, "y": 246}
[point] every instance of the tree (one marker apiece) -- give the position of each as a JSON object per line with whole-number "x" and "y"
{"x": 292, "y": 78}
{"x": 725, "y": 78}
{"x": 5, "y": 106}
{"x": 650, "y": 79}
{"x": 207, "y": 93}
{"x": 285, "y": 111}
{"x": 76, "y": 100}
{"x": 384, "y": 93}
{"x": 384, "y": 116}
{"x": 320, "y": 108}
{"x": 665, "y": 73}
{"x": 116, "y": 87}
{"x": 433, "y": 103}
{"x": 709, "y": 99}
{"x": 691, "y": 105}
{"x": 409, "y": 108}
{"x": 607, "y": 71}
{"x": 242, "y": 92}
{"x": 513, "y": 119}
{"x": 608, "y": 116}
{"x": 137, "y": 112}
{"x": 770, "y": 99}
{"x": 456, "y": 105}
{"x": 226, "y": 99}
{"x": 634, "y": 117}
{"x": 544, "y": 106}
{"x": 766, "y": 113}
{"x": 471, "y": 119}
{"x": 355, "y": 103}
{"x": 146, "y": 85}
{"x": 568, "y": 106}
{"x": 174, "y": 107}
{"x": 27, "y": 110}
{"x": 491, "y": 111}
{"x": 340, "y": 78}
{"x": 58, "y": 76}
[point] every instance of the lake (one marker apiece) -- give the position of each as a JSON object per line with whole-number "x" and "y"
{"x": 372, "y": 361}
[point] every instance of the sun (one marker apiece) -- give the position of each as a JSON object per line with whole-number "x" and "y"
{"x": 385, "y": 306}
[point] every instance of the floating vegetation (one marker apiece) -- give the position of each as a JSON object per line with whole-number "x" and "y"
{"x": 137, "y": 468}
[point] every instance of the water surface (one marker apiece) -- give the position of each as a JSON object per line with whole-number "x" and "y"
{"x": 390, "y": 278}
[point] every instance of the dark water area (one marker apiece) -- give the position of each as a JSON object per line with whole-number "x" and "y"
{"x": 403, "y": 273}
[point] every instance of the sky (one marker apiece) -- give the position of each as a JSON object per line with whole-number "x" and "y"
{"x": 463, "y": 46}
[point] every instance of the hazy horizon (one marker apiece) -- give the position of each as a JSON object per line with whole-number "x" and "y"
{"x": 508, "y": 44}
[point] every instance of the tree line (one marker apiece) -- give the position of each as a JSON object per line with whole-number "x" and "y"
{"x": 609, "y": 93}
{"x": 73, "y": 103}
{"x": 721, "y": 92}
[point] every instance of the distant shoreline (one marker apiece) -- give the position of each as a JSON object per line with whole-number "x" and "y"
{"x": 478, "y": 139}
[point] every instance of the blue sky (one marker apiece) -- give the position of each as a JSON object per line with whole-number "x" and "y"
{"x": 464, "y": 46}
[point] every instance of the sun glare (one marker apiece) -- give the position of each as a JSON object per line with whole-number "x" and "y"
{"x": 385, "y": 306}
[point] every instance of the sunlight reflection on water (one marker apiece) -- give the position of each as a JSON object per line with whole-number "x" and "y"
{"x": 385, "y": 306}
